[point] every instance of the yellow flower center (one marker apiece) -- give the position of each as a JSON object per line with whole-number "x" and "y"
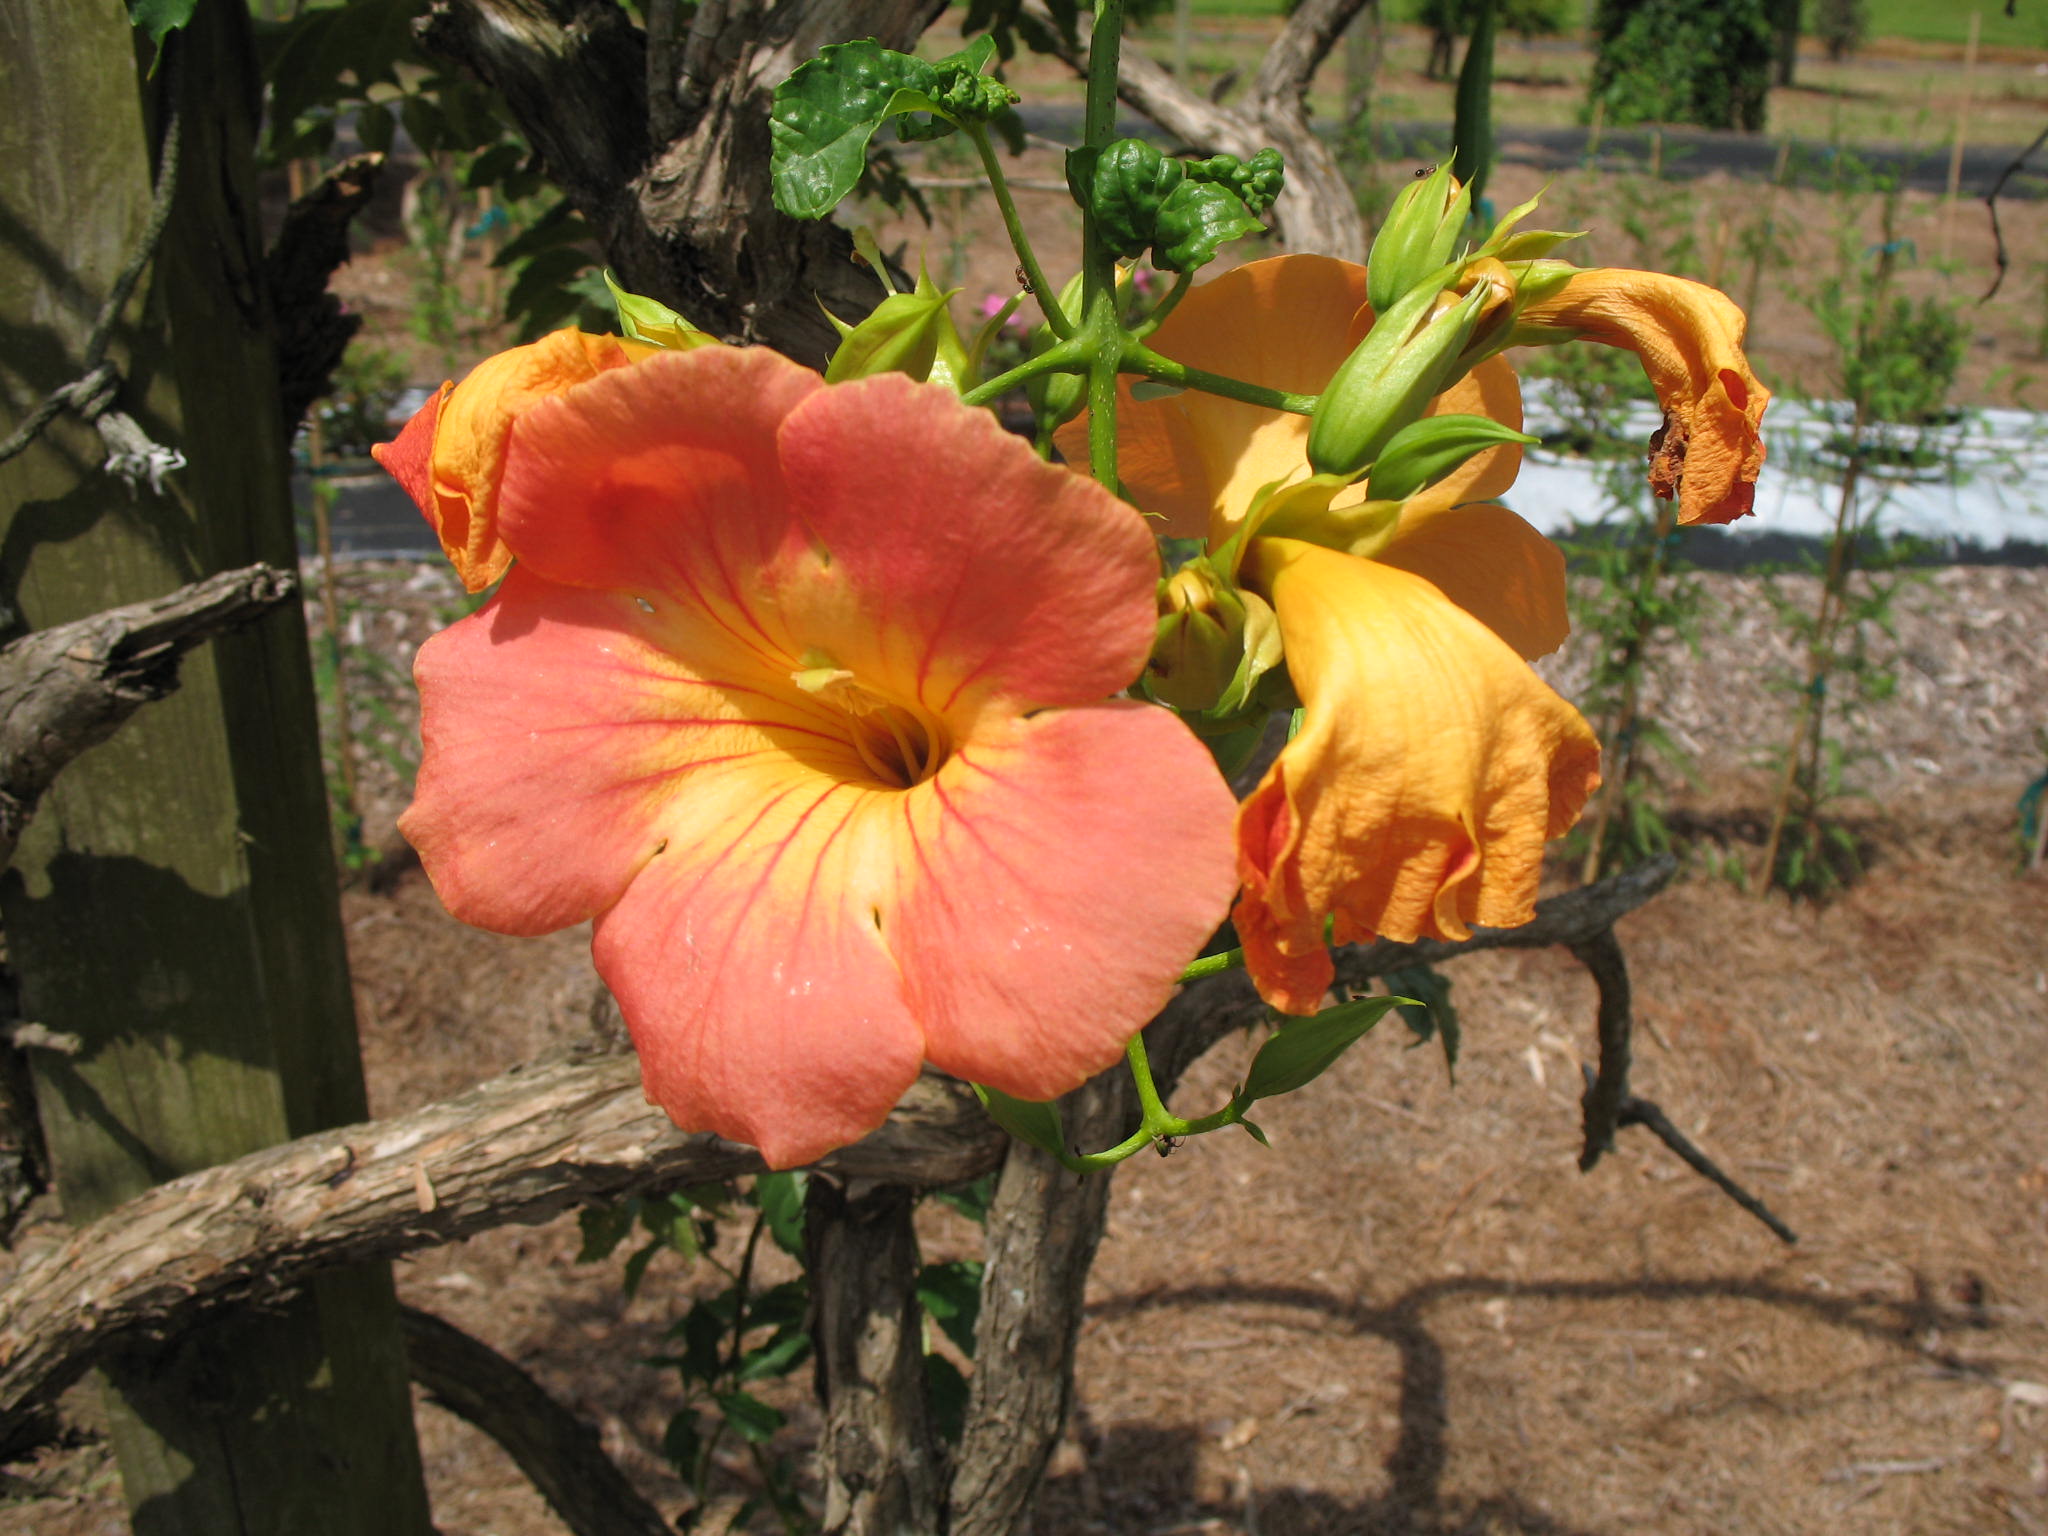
{"x": 900, "y": 744}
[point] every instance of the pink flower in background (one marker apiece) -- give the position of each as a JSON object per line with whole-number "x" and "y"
{"x": 801, "y": 692}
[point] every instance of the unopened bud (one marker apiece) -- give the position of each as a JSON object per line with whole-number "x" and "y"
{"x": 1420, "y": 232}
{"x": 651, "y": 321}
{"x": 1407, "y": 358}
{"x": 907, "y": 333}
{"x": 1433, "y": 449}
{"x": 1199, "y": 644}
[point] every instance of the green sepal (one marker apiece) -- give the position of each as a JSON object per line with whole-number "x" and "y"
{"x": 1410, "y": 355}
{"x": 1420, "y": 232}
{"x": 1256, "y": 1134}
{"x": 904, "y": 334}
{"x": 651, "y": 321}
{"x": 1530, "y": 244}
{"x": 1026, "y": 1119}
{"x": 1432, "y": 449}
{"x": 1304, "y": 1049}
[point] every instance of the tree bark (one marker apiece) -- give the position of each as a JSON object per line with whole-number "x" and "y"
{"x": 877, "y": 1458}
{"x": 522, "y": 1148}
{"x": 70, "y": 687}
{"x": 685, "y": 214}
{"x": 173, "y": 904}
{"x": 1318, "y": 210}
{"x": 559, "y": 1453}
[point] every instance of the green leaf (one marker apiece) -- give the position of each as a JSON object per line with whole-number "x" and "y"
{"x": 1124, "y": 187}
{"x": 636, "y": 1266}
{"x": 778, "y": 1357}
{"x": 682, "y": 1442}
{"x": 672, "y": 1221}
{"x": 1304, "y": 1049}
{"x": 157, "y": 20}
{"x": 604, "y": 1227}
{"x": 1196, "y": 218}
{"x": 1432, "y": 449}
{"x": 1028, "y": 1121}
{"x": 1426, "y": 1008}
{"x": 946, "y": 1393}
{"x": 951, "y": 1297}
{"x": 753, "y": 1419}
{"x": 703, "y": 1334}
{"x": 781, "y": 1198}
{"x": 825, "y": 113}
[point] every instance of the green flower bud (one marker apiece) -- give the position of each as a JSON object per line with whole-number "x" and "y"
{"x": 1417, "y": 238}
{"x": 1199, "y": 644}
{"x": 1406, "y": 360}
{"x": 651, "y": 321}
{"x": 907, "y": 333}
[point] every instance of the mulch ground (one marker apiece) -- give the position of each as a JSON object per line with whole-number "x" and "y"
{"x": 1414, "y": 1314}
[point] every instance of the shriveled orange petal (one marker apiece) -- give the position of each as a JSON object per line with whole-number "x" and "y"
{"x": 1196, "y": 460}
{"x": 1689, "y": 338}
{"x": 1493, "y": 565}
{"x": 473, "y": 425}
{"x": 1431, "y": 767}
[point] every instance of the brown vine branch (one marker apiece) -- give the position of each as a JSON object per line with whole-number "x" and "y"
{"x": 1606, "y": 1090}
{"x": 310, "y": 325}
{"x": 1991, "y": 206}
{"x": 69, "y": 687}
{"x": 521, "y": 1148}
{"x": 559, "y": 1453}
{"x": 1635, "y": 1111}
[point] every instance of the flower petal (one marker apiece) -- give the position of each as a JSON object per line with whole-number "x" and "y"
{"x": 664, "y": 481}
{"x": 470, "y": 429}
{"x": 984, "y": 574}
{"x": 1197, "y": 459}
{"x": 1689, "y": 338}
{"x": 1431, "y": 767}
{"x": 558, "y": 725}
{"x": 1493, "y": 565}
{"x": 749, "y": 964}
{"x": 1067, "y": 869}
{"x": 408, "y": 458}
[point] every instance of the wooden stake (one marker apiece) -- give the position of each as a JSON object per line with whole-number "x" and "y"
{"x": 1955, "y": 153}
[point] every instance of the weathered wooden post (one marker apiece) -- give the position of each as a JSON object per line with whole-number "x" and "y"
{"x": 174, "y": 902}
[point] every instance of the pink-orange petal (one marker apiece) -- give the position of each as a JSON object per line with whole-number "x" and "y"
{"x": 661, "y": 480}
{"x": 749, "y": 965}
{"x": 408, "y": 458}
{"x": 558, "y": 724}
{"x": 1065, "y": 869}
{"x": 955, "y": 563}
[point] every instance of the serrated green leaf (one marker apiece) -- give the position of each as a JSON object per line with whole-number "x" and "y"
{"x": 1196, "y": 218}
{"x": 751, "y": 1418}
{"x": 1028, "y": 1121}
{"x": 159, "y": 18}
{"x": 636, "y": 1266}
{"x": 1428, "y": 1011}
{"x": 825, "y": 113}
{"x": 1303, "y": 1049}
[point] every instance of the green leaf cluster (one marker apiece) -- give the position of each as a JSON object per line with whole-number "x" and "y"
{"x": 1180, "y": 210}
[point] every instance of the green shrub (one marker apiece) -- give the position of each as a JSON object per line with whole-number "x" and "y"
{"x": 1682, "y": 61}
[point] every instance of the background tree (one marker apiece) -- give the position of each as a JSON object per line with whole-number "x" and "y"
{"x": 1682, "y": 61}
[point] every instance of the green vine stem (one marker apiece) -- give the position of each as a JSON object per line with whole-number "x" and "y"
{"x": 1141, "y": 359}
{"x": 1043, "y": 291}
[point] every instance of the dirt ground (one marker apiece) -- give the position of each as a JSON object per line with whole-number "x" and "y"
{"x": 1414, "y": 1315}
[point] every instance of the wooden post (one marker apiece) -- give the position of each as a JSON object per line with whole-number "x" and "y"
{"x": 1955, "y": 151}
{"x": 173, "y": 904}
